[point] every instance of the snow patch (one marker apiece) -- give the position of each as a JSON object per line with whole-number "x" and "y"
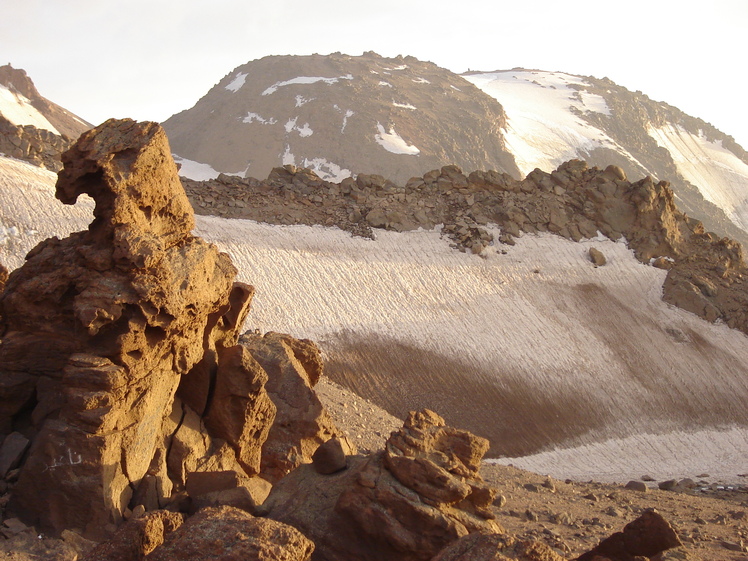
{"x": 304, "y": 130}
{"x": 254, "y": 117}
{"x": 288, "y": 158}
{"x": 195, "y": 170}
{"x": 236, "y": 84}
{"x": 404, "y": 105}
{"x": 18, "y": 110}
{"x": 301, "y": 100}
{"x": 455, "y": 88}
{"x": 420, "y": 80}
{"x": 305, "y": 80}
{"x": 393, "y": 142}
{"x": 386, "y": 84}
{"x": 326, "y": 170}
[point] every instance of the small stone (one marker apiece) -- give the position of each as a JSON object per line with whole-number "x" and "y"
{"x": 636, "y": 486}
{"x": 329, "y": 457}
{"x": 138, "y": 511}
{"x": 499, "y": 501}
{"x": 598, "y": 259}
{"x": 668, "y": 485}
{"x": 531, "y": 487}
{"x": 647, "y": 478}
{"x": 531, "y": 516}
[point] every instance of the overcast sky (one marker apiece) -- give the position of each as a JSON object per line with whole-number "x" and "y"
{"x": 149, "y": 59}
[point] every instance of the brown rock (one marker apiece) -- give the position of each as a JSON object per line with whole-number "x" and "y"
{"x": 597, "y": 257}
{"x": 496, "y": 547}
{"x": 229, "y": 534}
{"x": 330, "y": 457}
{"x": 368, "y": 512}
{"x": 218, "y": 488}
{"x": 647, "y": 536}
{"x": 301, "y": 424}
{"x": 137, "y": 538}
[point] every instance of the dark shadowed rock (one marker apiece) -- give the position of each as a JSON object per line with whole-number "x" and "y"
{"x": 647, "y": 536}
{"x": 329, "y": 457}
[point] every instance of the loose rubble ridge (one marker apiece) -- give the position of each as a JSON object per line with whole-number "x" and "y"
{"x": 707, "y": 274}
{"x": 126, "y": 393}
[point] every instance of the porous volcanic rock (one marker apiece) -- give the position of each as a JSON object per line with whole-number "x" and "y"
{"x": 404, "y": 503}
{"x": 98, "y": 330}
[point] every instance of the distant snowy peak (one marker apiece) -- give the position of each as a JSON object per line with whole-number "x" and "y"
{"x": 553, "y": 117}
{"x": 21, "y": 104}
{"x": 340, "y": 114}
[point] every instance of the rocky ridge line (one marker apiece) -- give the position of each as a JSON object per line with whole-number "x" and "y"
{"x": 706, "y": 272}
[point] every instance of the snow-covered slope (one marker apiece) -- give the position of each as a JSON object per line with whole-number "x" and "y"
{"x": 574, "y": 366}
{"x": 17, "y": 108}
{"x": 553, "y": 117}
{"x": 22, "y": 104}
{"x": 722, "y": 177}
{"x": 543, "y": 109}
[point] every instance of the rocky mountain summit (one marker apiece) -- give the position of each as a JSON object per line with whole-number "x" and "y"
{"x": 340, "y": 115}
{"x": 127, "y": 395}
{"x": 32, "y": 128}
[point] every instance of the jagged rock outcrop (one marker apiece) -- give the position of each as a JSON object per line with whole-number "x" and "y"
{"x": 707, "y": 273}
{"x": 404, "y": 503}
{"x": 301, "y": 422}
{"x": 98, "y": 331}
{"x": 40, "y": 147}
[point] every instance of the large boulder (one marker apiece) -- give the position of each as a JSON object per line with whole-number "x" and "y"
{"x": 100, "y": 328}
{"x": 646, "y": 537}
{"x": 403, "y": 504}
{"x": 301, "y": 425}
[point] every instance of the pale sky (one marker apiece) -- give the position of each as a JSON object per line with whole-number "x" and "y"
{"x": 149, "y": 59}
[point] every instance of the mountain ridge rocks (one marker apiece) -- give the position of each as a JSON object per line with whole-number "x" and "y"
{"x": 574, "y": 201}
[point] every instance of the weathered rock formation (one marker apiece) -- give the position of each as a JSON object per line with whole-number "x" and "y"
{"x": 707, "y": 273}
{"x": 98, "y": 330}
{"x": 301, "y": 423}
{"x": 404, "y": 503}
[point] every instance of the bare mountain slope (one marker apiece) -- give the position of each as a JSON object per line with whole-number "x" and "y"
{"x": 337, "y": 114}
{"x": 530, "y": 345}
